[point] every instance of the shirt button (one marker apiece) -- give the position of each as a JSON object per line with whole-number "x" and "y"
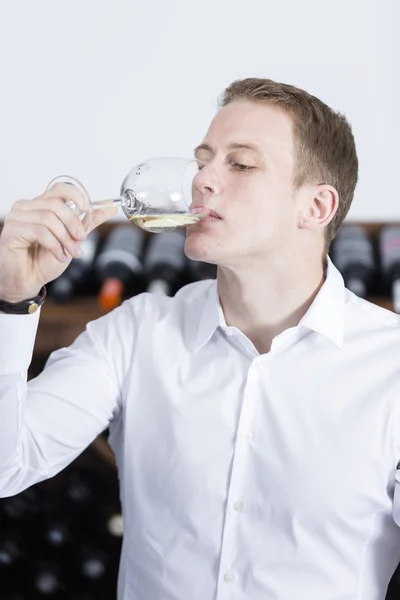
{"x": 249, "y": 435}
{"x": 229, "y": 576}
{"x": 238, "y": 506}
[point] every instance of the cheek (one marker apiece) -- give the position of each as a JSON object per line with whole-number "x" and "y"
{"x": 256, "y": 220}
{"x": 252, "y": 204}
{"x": 243, "y": 194}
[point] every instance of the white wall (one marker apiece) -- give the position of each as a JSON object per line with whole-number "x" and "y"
{"x": 90, "y": 87}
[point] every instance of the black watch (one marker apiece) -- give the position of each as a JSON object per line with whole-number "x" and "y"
{"x": 26, "y": 307}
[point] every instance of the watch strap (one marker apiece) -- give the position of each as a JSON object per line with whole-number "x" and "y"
{"x": 26, "y": 307}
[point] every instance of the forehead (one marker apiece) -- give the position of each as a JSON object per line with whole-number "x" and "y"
{"x": 262, "y": 124}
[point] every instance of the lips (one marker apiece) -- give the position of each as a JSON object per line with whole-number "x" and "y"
{"x": 211, "y": 213}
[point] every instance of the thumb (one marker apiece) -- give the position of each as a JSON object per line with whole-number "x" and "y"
{"x": 100, "y": 215}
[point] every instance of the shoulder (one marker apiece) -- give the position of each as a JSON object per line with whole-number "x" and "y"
{"x": 363, "y": 315}
{"x": 148, "y": 308}
{"x": 141, "y": 319}
{"x": 154, "y": 306}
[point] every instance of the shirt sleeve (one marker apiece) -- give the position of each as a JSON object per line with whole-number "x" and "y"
{"x": 47, "y": 422}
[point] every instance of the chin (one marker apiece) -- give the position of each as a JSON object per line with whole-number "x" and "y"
{"x": 199, "y": 247}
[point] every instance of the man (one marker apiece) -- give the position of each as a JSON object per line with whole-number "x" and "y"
{"x": 255, "y": 420}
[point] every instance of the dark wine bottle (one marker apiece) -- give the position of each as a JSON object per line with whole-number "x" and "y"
{"x": 96, "y": 571}
{"x": 12, "y": 556}
{"x": 63, "y": 288}
{"x": 21, "y": 512}
{"x": 389, "y": 246}
{"x": 164, "y": 262}
{"x": 353, "y": 254}
{"x": 46, "y": 578}
{"x": 78, "y": 595}
{"x": 118, "y": 263}
{"x": 80, "y": 491}
{"x": 58, "y": 536}
{"x": 109, "y": 529}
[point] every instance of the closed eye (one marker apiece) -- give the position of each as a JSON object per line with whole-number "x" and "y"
{"x": 244, "y": 168}
{"x": 238, "y": 166}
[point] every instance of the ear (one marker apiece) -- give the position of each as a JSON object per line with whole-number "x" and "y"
{"x": 318, "y": 208}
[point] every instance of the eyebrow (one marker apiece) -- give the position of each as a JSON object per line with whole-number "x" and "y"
{"x": 233, "y": 146}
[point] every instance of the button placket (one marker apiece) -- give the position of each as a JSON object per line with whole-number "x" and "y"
{"x": 235, "y": 506}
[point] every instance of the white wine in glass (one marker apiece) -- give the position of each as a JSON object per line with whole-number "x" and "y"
{"x": 156, "y": 195}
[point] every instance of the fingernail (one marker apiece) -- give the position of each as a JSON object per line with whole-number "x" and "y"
{"x": 77, "y": 250}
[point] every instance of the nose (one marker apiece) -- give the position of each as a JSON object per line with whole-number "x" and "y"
{"x": 206, "y": 182}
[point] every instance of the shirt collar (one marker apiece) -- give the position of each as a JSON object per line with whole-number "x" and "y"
{"x": 325, "y": 315}
{"x": 210, "y": 318}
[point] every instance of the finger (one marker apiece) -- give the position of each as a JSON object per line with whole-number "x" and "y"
{"x": 57, "y": 205}
{"x": 100, "y": 215}
{"x": 48, "y": 219}
{"x": 41, "y": 235}
{"x": 67, "y": 191}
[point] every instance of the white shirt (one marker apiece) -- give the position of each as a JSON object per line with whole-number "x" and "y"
{"x": 243, "y": 477}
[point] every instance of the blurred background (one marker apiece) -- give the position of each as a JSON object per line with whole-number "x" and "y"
{"x": 92, "y": 88}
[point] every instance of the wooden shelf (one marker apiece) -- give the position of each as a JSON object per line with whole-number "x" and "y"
{"x": 373, "y": 228}
{"x": 382, "y": 301}
{"x": 60, "y": 324}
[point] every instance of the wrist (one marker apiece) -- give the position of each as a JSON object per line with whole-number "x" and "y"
{"x": 25, "y": 306}
{"x": 17, "y": 298}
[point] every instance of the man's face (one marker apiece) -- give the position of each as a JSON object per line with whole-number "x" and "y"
{"x": 250, "y": 188}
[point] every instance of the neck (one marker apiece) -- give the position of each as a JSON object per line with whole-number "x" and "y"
{"x": 264, "y": 300}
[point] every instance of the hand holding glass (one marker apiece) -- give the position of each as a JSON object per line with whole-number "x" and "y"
{"x": 156, "y": 195}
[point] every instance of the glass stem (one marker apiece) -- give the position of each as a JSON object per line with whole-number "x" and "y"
{"x": 107, "y": 203}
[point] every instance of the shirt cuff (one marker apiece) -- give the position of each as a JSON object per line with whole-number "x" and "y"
{"x": 17, "y": 335}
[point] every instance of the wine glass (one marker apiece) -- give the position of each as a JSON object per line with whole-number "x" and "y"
{"x": 155, "y": 195}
